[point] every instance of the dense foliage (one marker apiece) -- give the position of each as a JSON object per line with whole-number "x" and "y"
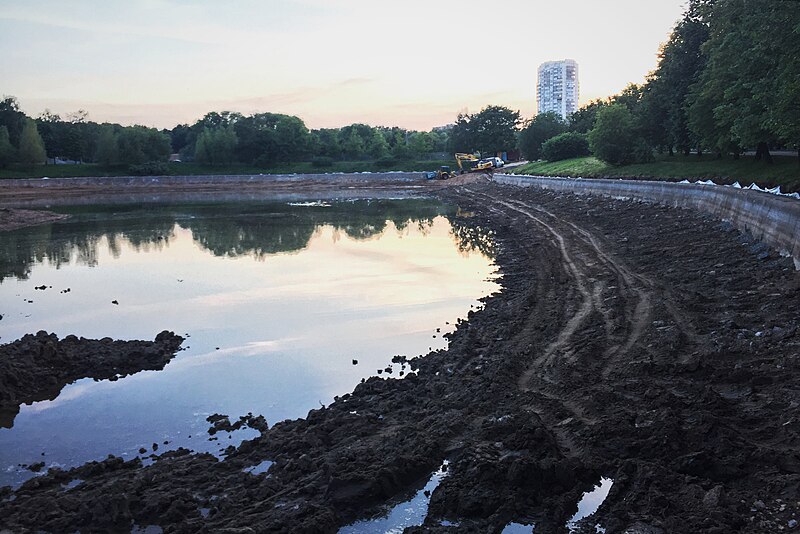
{"x": 217, "y": 139}
{"x": 727, "y": 81}
{"x": 491, "y": 131}
{"x": 565, "y": 146}
{"x": 536, "y": 131}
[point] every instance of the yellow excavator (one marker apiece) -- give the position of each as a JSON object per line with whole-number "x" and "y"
{"x": 474, "y": 163}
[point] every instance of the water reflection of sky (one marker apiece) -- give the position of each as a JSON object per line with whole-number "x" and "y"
{"x": 270, "y": 333}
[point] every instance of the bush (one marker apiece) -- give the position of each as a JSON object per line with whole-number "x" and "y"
{"x": 614, "y": 136}
{"x": 385, "y": 163}
{"x": 322, "y": 161}
{"x": 151, "y": 168}
{"x": 565, "y": 146}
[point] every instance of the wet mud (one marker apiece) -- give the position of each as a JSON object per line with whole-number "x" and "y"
{"x": 11, "y": 219}
{"x": 648, "y": 345}
{"x": 37, "y": 367}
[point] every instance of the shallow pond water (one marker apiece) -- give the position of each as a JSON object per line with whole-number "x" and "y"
{"x": 278, "y": 302}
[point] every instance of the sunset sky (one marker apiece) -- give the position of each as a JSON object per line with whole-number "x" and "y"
{"x": 414, "y": 64}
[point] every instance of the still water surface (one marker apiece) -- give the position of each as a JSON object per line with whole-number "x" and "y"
{"x": 277, "y": 301}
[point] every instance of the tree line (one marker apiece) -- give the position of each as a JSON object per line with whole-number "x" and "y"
{"x": 727, "y": 80}
{"x": 218, "y": 138}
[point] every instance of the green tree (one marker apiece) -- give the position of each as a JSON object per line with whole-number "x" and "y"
{"x": 462, "y": 136}
{"x": 107, "y": 147}
{"x": 292, "y": 139}
{"x": 326, "y": 143}
{"x": 542, "y": 127}
{"x": 582, "y": 121}
{"x": 614, "y": 138}
{"x": 495, "y": 129}
{"x": 376, "y": 146}
{"x": 31, "y": 147}
{"x": 664, "y": 116}
{"x": 746, "y": 95}
{"x": 138, "y": 144}
{"x": 12, "y": 118}
{"x": 400, "y": 147}
{"x": 421, "y": 143}
{"x": 7, "y": 151}
{"x": 216, "y": 146}
{"x": 352, "y": 144}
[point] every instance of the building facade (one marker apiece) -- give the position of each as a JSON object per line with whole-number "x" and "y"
{"x": 558, "y": 88}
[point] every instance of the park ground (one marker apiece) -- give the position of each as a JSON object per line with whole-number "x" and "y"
{"x": 784, "y": 171}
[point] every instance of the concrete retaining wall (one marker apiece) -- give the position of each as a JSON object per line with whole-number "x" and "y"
{"x": 252, "y": 178}
{"x": 770, "y": 218}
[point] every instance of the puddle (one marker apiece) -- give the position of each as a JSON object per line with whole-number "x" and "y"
{"x": 260, "y": 468}
{"x": 518, "y": 528}
{"x": 401, "y": 516}
{"x": 589, "y": 504}
{"x": 71, "y": 484}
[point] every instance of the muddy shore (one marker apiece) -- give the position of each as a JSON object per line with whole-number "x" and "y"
{"x": 11, "y": 219}
{"x": 37, "y": 367}
{"x": 646, "y": 344}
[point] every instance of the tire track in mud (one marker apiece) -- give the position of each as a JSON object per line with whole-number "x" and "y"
{"x": 587, "y": 263}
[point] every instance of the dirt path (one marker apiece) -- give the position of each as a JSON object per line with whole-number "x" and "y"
{"x": 641, "y": 343}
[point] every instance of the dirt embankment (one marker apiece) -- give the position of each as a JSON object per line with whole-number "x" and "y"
{"x": 11, "y": 219}
{"x": 37, "y": 367}
{"x": 646, "y": 344}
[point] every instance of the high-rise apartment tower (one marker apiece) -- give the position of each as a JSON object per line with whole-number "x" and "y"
{"x": 558, "y": 88}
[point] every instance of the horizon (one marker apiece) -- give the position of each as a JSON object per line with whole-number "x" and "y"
{"x": 161, "y": 63}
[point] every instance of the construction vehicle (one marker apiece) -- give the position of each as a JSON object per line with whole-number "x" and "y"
{"x": 473, "y": 163}
{"x": 443, "y": 173}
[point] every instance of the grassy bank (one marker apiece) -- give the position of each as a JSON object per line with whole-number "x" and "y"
{"x": 785, "y": 171}
{"x": 192, "y": 169}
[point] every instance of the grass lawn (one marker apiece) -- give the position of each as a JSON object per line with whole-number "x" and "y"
{"x": 785, "y": 171}
{"x": 192, "y": 169}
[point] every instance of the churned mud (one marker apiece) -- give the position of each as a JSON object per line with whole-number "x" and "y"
{"x": 37, "y": 367}
{"x": 11, "y": 219}
{"x": 643, "y": 345}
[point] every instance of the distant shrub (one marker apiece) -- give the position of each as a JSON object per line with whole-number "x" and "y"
{"x": 151, "y": 168}
{"x": 322, "y": 161}
{"x": 565, "y": 146}
{"x": 385, "y": 163}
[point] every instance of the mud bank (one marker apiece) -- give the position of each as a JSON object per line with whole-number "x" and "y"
{"x": 11, "y": 219}
{"x": 30, "y": 193}
{"x": 771, "y": 218}
{"x": 37, "y": 367}
{"x": 645, "y": 344}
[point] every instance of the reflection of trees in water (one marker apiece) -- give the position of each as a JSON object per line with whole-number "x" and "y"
{"x": 232, "y": 230}
{"x": 77, "y": 241}
{"x": 472, "y": 238}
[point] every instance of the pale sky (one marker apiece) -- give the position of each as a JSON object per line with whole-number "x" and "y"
{"x": 410, "y": 63}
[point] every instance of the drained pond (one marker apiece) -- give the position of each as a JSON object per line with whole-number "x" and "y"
{"x": 283, "y": 307}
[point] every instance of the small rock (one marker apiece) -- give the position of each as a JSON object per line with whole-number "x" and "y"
{"x": 142, "y": 450}
{"x": 114, "y": 302}
{"x": 155, "y": 446}
{"x": 36, "y": 467}
{"x": 355, "y": 362}
{"x": 713, "y": 497}
{"x": 792, "y": 523}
